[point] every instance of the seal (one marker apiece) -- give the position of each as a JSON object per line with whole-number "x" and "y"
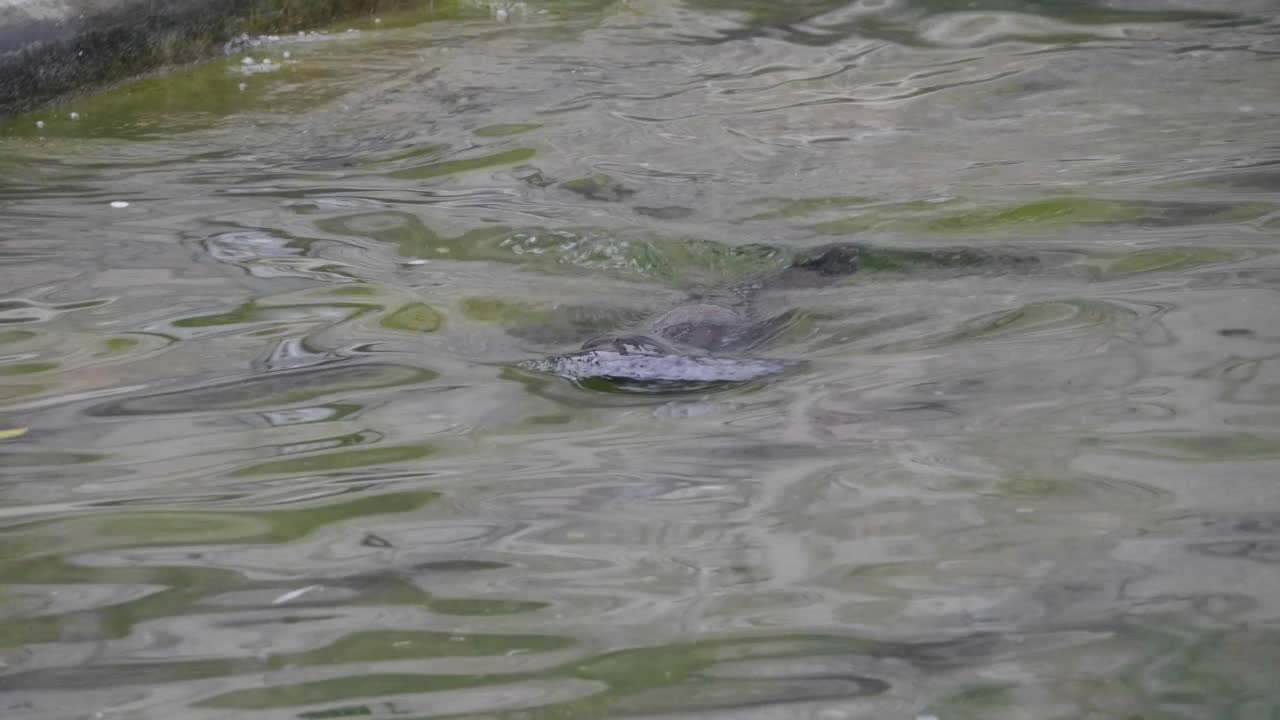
{"x": 707, "y": 340}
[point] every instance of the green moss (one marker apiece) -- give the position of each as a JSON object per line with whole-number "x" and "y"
{"x": 453, "y": 167}
{"x": 130, "y": 46}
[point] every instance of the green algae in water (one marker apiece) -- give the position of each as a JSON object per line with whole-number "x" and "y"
{"x": 346, "y": 688}
{"x": 497, "y": 310}
{"x": 414, "y": 317}
{"x": 16, "y": 336}
{"x": 344, "y": 460}
{"x": 454, "y": 167}
{"x": 1158, "y": 259}
{"x": 160, "y": 528}
{"x": 556, "y": 324}
{"x": 27, "y": 368}
{"x": 1225, "y": 447}
{"x": 272, "y": 390}
{"x": 807, "y": 206}
{"x": 946, "y": 218}
{"x": 186, "y": 586}
{"x": 388, "y": 645}
{"x": 361, "y": 290}
{"x": 1045, "y": 213}
{"x": 120, "y": 344}
{"x": 415, "y": 153}
{"x": 598, "y": 187}
{"x": 684, "y": 261}
{"x": 256, "y": 312}
{"x": 181, "y": 100}
{"x": 502, "y": 130}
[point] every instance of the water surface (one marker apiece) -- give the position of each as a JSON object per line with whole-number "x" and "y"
{"x": 266, "y": 450}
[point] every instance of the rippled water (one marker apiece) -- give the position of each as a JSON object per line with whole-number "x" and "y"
{"x": 267, "y": 450}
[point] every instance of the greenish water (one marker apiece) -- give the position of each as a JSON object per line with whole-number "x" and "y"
{"x": 266, "y": 452}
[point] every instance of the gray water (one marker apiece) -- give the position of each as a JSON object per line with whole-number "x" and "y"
{"x": 266, "y": 449}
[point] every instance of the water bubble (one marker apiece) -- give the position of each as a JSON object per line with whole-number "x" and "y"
{"x": 286, "y": 54}
{"x": 40, "y": 124}
{"x": 119, "y": 204}
{"x": 74, "y": 116}
{"x": 377, "y": 21}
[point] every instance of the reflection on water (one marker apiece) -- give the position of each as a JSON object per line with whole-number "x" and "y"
{"x": 267, "y": 449}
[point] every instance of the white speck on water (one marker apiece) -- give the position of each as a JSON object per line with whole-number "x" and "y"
{"x": 286, "y": 54}
{"x": 75, "y": 116}
{"x": 294, "y": 594}
{"x": 926, "y": 717}
{"x": 417, "y": 262}
{"x": 266, "y": 61}
{"x": 442, "y": 250}
{"x": 500, "y": 14}
{"x": 118, "y": 204}
{"x": 247, "y": 61}
{"x": 377, "y": 21}
{"x": 40, "y": 124}
{"x": 351, "y": 29}
{"x": 244, "y": 86}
